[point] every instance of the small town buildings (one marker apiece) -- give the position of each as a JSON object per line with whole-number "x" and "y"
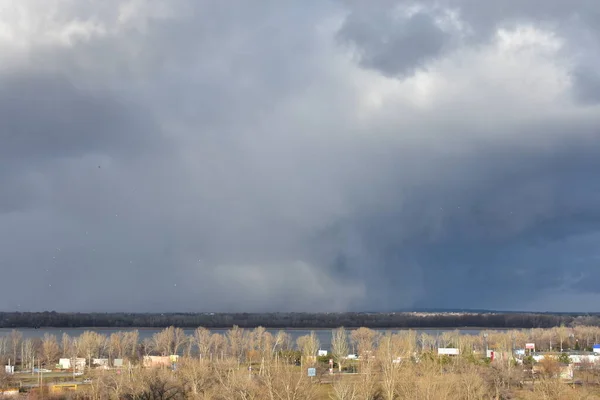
{"x": 100, "y": 363}
{"x": 63, "y": 387}
{"x": 448, "y": 351}
{"x": 80, "y": 364}
{"x": 64, "y": 363}
{"x": 576, "y": 358}
{"x": 159, "y": 361}
{"x": 7, "y": 393}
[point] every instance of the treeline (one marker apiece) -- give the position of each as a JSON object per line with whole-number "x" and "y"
{"x": 294, "y": 320}
{"x": 240, "y": 343}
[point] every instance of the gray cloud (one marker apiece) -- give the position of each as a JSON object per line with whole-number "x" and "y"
{"x": 393, "y": 40}
{"x": 46, "y": 116}
{"x": 191, "y": 156}
{"x": 399, "y": 37}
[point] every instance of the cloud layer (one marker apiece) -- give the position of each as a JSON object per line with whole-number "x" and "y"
{"x": 329, "y": 156}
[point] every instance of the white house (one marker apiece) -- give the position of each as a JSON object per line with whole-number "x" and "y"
{"x": 80, "y": 364}
{"x": 574, "y": 358}
{"x": 100, "y": 362}
{"x": 449, "y": 351}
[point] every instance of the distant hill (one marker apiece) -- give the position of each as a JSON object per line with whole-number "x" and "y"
{"x": 423, "y": 318}
{"x": 486, "y": 311}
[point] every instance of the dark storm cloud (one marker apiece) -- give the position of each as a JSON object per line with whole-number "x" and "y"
{"x": 44, "y": 115}
{"x": 588, "y": 88}
{"x": 392, "y": 43}
{"x": 330, "y": 156}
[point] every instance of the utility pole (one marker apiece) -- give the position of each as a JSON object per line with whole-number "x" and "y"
{"x": 485, "y": 336}
{"x": 41, "y": 380}
{"x": 513, "y": 343}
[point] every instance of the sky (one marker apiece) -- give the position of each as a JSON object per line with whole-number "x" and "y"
{"x": 317, "y": 155}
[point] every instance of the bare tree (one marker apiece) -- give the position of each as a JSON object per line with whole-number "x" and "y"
{"x": 218, "y": 344}
{"x": 406, "y": 343}
{"x": 27, "y": 354}
{"x": 365, "y": 340}
{"x": 15, "y": 342}
{"x": 234, "y": 383}
{"x": 116, "y": 343}
{"x": 281, "y": 342}
{"x": 503, "y": 378}
{"x": 179, "y": 340}
{"x": 344, "y": 389}
{"x": 427, "y": 342}
{"x": 188, "y": 346}
{"x": 6, "y": 380}
{"x": 287, "y": 382}
{"x": 545, "y": 339}
{"x": 4, "y": 345}
{"x": 147, "y": 346}
{"x": 67, "y": 346}
{"x": 161, "y": 342}
{"x": 339, "y": 346}
{"x": 552, "y": 389}
{"x": 169, "y": 341}
{"x": 263, "y": 342}
{"x": 90, "y": 344}
{"x": 50, "y": 349}
{"x": 448, "y": 339}
{"x": 255, "y": 344}
{"x": 130, "y": 344}
{"x": 197, "y": 374}
{"x": 202, "y": 339}
{"x": 157, "y": 384}
{"x": 563, "y": 334}
{"x": 367, "y": 381}
{"x": 308, "y": 345}
{"x": 387, "y": 356}
{"x": 235, "y": 341}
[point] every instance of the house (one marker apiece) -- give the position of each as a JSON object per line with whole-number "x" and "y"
{"x": 583, "y": 357}
{"x": 63, "y": 387}
{"x": 64, "y": 363}
{"x": 79, "y": 364}
{"x": 574, "y": 357}
{"x": 100, "y": 362}
{"x": 565, "y": 371}
{"x": 12, "y": 392}
{"x": 68, "y": 363}
{"x": 157, "y": 361}
{"x": 448, "y": 351}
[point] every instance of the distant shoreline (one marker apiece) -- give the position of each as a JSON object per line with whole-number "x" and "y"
{"x": 302, "y": 321}
{"x": 291, "y": 329}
